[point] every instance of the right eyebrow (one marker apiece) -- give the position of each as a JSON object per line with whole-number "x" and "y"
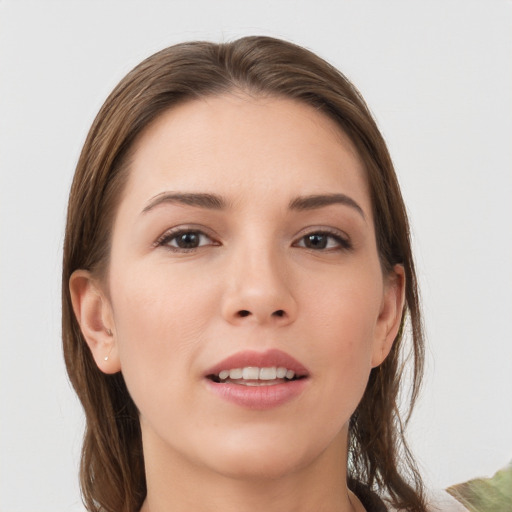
{"x": 201, "y": 200}
{"x": 316, "y": 201}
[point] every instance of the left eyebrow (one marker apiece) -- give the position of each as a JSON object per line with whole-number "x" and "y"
{"x": 322, "y": 200}
{"x": 200, "y": 200}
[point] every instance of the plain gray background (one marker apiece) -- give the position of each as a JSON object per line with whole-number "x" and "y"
{"x": 438, "y": 77}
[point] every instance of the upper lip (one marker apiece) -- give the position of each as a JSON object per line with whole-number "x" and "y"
{"x": 267, "y": 359}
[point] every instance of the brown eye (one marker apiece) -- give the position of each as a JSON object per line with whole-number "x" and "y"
{"x": 185, "y": 240}
{"x": 316, "y": 241}
{"x": 189, "y": 240}
{"x": 323, "y": 241}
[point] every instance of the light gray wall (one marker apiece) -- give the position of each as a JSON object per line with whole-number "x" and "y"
{"x": 438, "y": 77}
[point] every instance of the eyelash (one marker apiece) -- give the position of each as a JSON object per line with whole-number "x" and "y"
{"x": 342, "y": 243}
{"x": 169, "y": 236}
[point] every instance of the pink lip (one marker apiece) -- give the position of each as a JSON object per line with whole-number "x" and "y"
{"x": 266, "y": 359}
{"x": 259, "y": 397}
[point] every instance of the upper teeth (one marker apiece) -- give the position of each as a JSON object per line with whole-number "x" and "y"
{"x": 255, "y": 373}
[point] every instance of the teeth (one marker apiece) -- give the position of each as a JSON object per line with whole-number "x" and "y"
{"x": 268, "y": 373}
{"x": 251, "y": 373}
{"x": 237, "y": 373}
{"x": 281, "y": 372}
{"x": 256, "y": 373}
{"x": 259, "y": 383}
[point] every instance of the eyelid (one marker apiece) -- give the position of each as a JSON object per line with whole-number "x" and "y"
{"x": 343, "y": 240}
{"x": 174, "y": 232}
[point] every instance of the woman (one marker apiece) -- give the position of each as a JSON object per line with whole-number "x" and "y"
{"x": 236, "y": 281}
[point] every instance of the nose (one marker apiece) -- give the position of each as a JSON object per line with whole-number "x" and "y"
{"x": 258, "y": 290}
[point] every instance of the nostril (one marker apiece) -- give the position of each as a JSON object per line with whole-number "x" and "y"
{"x": 244, "y": 312}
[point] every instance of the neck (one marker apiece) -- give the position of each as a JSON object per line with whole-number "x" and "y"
{"x": 177, "y": 484}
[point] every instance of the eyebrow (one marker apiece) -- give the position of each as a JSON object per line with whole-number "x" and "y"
{"x": 201, "y": 200}
{"x": 216, "y": 202}
{"x": 322, "y": 200}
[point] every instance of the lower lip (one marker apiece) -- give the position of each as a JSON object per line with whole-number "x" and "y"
{"x": 258, "y": 397}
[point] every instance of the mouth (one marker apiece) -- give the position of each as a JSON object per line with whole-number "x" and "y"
{"x": 255, "y": 376}
{"x": 258, "y": 380}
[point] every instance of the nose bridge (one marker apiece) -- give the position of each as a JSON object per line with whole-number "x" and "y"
{"x": 259, "y": 286}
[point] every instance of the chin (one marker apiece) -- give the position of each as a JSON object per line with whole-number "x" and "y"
{"x": 265, "y": 457}
{"x": 261, "y": 466}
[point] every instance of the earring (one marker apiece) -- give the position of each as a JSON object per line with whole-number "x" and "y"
{"x": 109, "y": 333}
{"x": 108, "y": 355}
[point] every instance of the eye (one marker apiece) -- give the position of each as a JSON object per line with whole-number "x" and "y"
{"x": 322, "y": 240}
{"x": 184, "y": 240}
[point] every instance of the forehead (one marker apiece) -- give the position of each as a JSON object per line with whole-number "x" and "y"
{"x": 237, "y": 145}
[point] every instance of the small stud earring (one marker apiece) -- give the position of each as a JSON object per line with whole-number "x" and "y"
{"x": 109, "y": 333}
{"x": 107, "y": 356}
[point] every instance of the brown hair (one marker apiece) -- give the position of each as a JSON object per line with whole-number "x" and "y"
{"x": 112, "y": 466}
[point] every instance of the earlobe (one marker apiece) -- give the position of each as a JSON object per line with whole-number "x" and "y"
{"x": 94, "y": 315}
{"x": 390, "y": 316}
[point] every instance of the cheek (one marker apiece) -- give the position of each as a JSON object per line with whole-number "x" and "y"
{"x": 160, "y": 320}
{"x": 347, "y": 305}
{"x": 163, "y": 306}
{"x": 344, "y": 313}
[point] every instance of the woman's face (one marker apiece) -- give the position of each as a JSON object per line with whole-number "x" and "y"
{"x": 244, "y": 240}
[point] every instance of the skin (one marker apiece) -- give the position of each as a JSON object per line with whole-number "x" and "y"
{"x": 175, "y": 313}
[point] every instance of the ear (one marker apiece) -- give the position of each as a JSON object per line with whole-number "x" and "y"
{"x": 94, "y": 315}
{"x": 390, "y": 315}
